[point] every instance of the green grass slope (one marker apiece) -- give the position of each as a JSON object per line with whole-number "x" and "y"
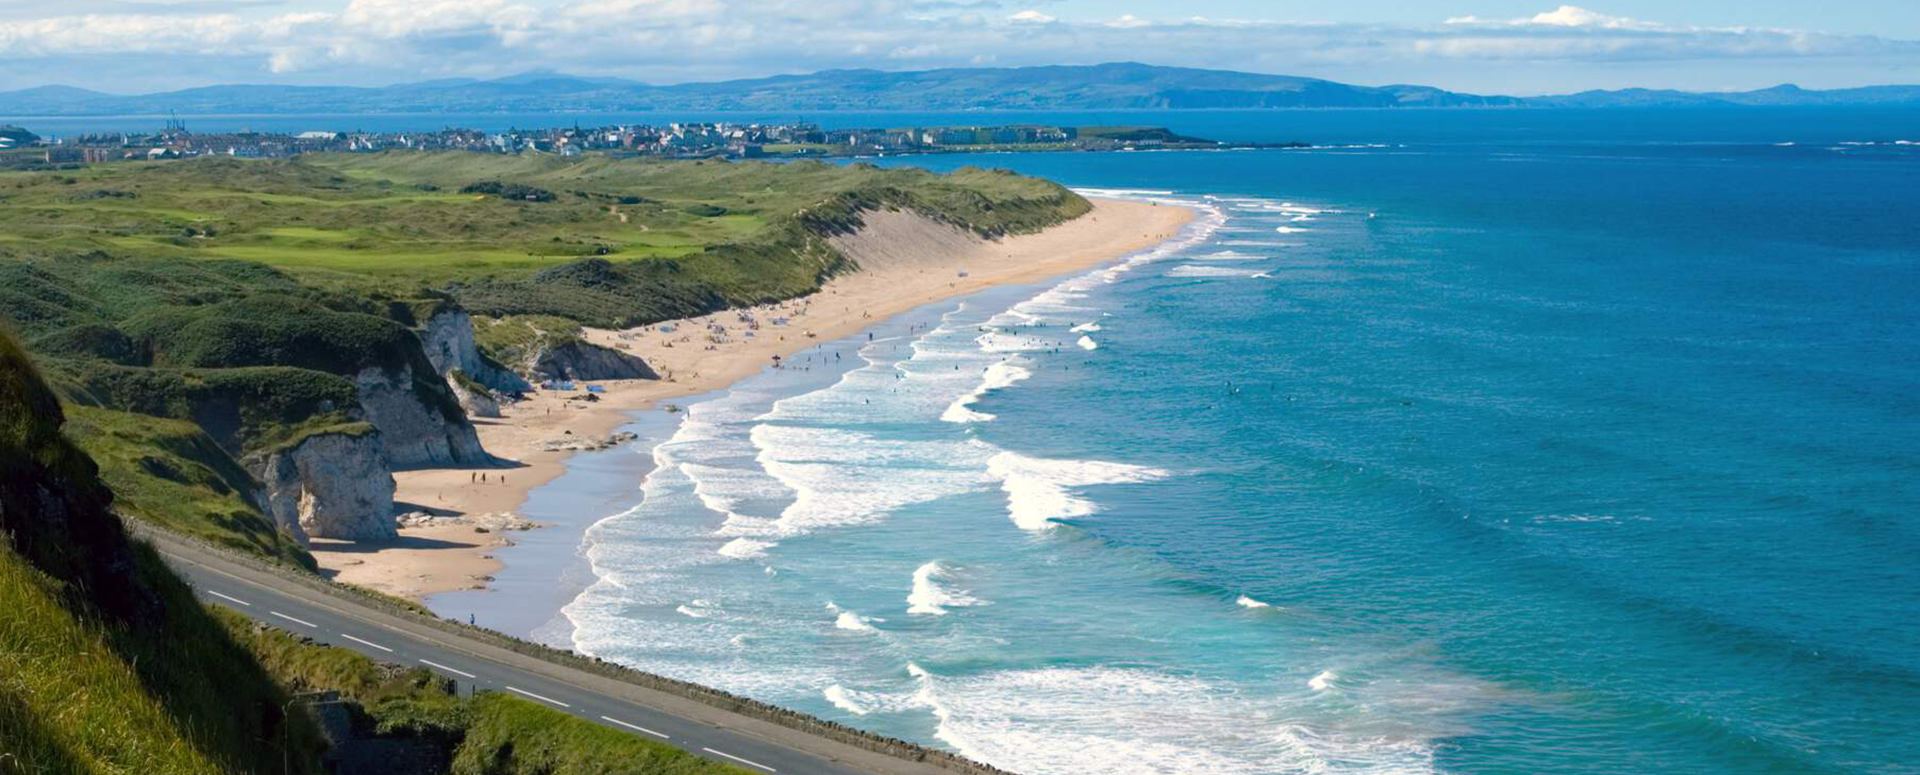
{"x": 107, "y": 663}
{"x": 493, "y": 734}
{"x": 109, "y": 666}
{"x": 509, "y": 736}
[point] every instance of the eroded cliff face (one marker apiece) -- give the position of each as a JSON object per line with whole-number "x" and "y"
{"x": 328, "y": 485}
{"x": 417, "y": 434}
{"x": 447, "y": 338}
{"x": 580, "y": 360}
{"x": 475, "y": 402}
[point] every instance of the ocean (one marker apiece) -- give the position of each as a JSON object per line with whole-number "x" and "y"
{"x": 1478, "y": 441}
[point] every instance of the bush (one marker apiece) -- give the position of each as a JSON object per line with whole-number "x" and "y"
{"x": 514, "y": 191}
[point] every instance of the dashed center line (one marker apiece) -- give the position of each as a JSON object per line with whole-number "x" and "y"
{"x": 295, "y": 621}
{"x": 538, "y": 697}
{"x": 366, "y": 643}
{"x": 738, "y": 759}
{"x": 634, "y": 727}
{"x": 461, "y": 673}
{"x": 229, "y": 598}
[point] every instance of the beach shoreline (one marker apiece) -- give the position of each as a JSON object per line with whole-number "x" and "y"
{"x": 906, "y": 262}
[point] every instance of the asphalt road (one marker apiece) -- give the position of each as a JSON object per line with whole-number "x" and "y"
{"x": 702, "y": 730}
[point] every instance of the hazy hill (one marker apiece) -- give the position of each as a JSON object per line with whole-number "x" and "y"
{"x": 1784, "y": 94}
{"x": 1124, "y": 85}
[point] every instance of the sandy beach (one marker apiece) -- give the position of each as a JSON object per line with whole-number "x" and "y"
{"x": 905, "y": 261}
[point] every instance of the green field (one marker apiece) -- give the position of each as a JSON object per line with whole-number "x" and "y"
{"x": 397, "y": 221}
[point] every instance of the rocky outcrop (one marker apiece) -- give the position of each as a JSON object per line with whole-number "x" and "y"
{"x": 328, "y": 485}
{"x": 580, "y": 360}
{"x": 418, "y": 431}
{"x": 447, "y": 338}
{"x": 571, "y": 443}
{"x": 478, "y": 402}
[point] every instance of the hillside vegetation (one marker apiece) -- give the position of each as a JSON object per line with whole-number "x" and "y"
{"x": 492, "y": 734}
{"x": 108, "y": 665}
{"x": 195, "y": 314}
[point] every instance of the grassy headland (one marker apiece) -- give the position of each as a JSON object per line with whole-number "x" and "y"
{"x": 194, "y": 313}
{"x": 109, "y": 665}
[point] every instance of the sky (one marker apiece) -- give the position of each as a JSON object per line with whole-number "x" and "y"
{"x": 1520, "y": 47}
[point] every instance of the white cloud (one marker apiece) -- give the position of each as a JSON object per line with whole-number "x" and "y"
{"x": 1567, "y": 16}
{"x": 921, "y": 51}
{"x": 665, "y": 41}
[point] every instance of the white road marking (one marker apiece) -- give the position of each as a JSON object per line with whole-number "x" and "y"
{"x": 291, "y": 619}
{"x": 634, "y": 727}
{"x": 366, "y": 643}
{"x": 229, "y": 598}
{"x": 538, "y": 697}
{"x": 738, "y": 759}
{"x": 461, "y": 673}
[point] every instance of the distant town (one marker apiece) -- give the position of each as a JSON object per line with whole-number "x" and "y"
{"x": 20, "y": 147}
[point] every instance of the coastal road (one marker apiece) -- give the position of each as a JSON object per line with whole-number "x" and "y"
{"x": 703, "y": 730}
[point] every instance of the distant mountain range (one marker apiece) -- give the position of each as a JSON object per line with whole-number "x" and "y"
{"x": 1096, "y": 87}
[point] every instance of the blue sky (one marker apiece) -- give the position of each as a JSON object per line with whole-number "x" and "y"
{"x": 1485, "y": 46}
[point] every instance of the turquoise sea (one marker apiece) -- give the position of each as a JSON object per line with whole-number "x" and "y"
{"x": 1491, "y": 442}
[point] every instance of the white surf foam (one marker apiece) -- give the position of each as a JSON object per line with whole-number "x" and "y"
{"x": 1087, "y": 343}
{"x": 1085, "y": 328}
{"x": 1323, "y": 681}
{"x": 1247, "y": 602}
{"x": 746, "y": 549}
{"x": 1290, "y": 230}
{"x": 1125, "y": 721}
{"x": 929, "y": 596}
{"x": 1041, "y": 491}
{"x": 1000, "y": 375}
{"x": 1191, "y": 270}
{"x": 843, "y": 700}
{"x": 843, "y": 477}
{"x": 848, "y": 620}
{"x": 1226, "y": 255}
